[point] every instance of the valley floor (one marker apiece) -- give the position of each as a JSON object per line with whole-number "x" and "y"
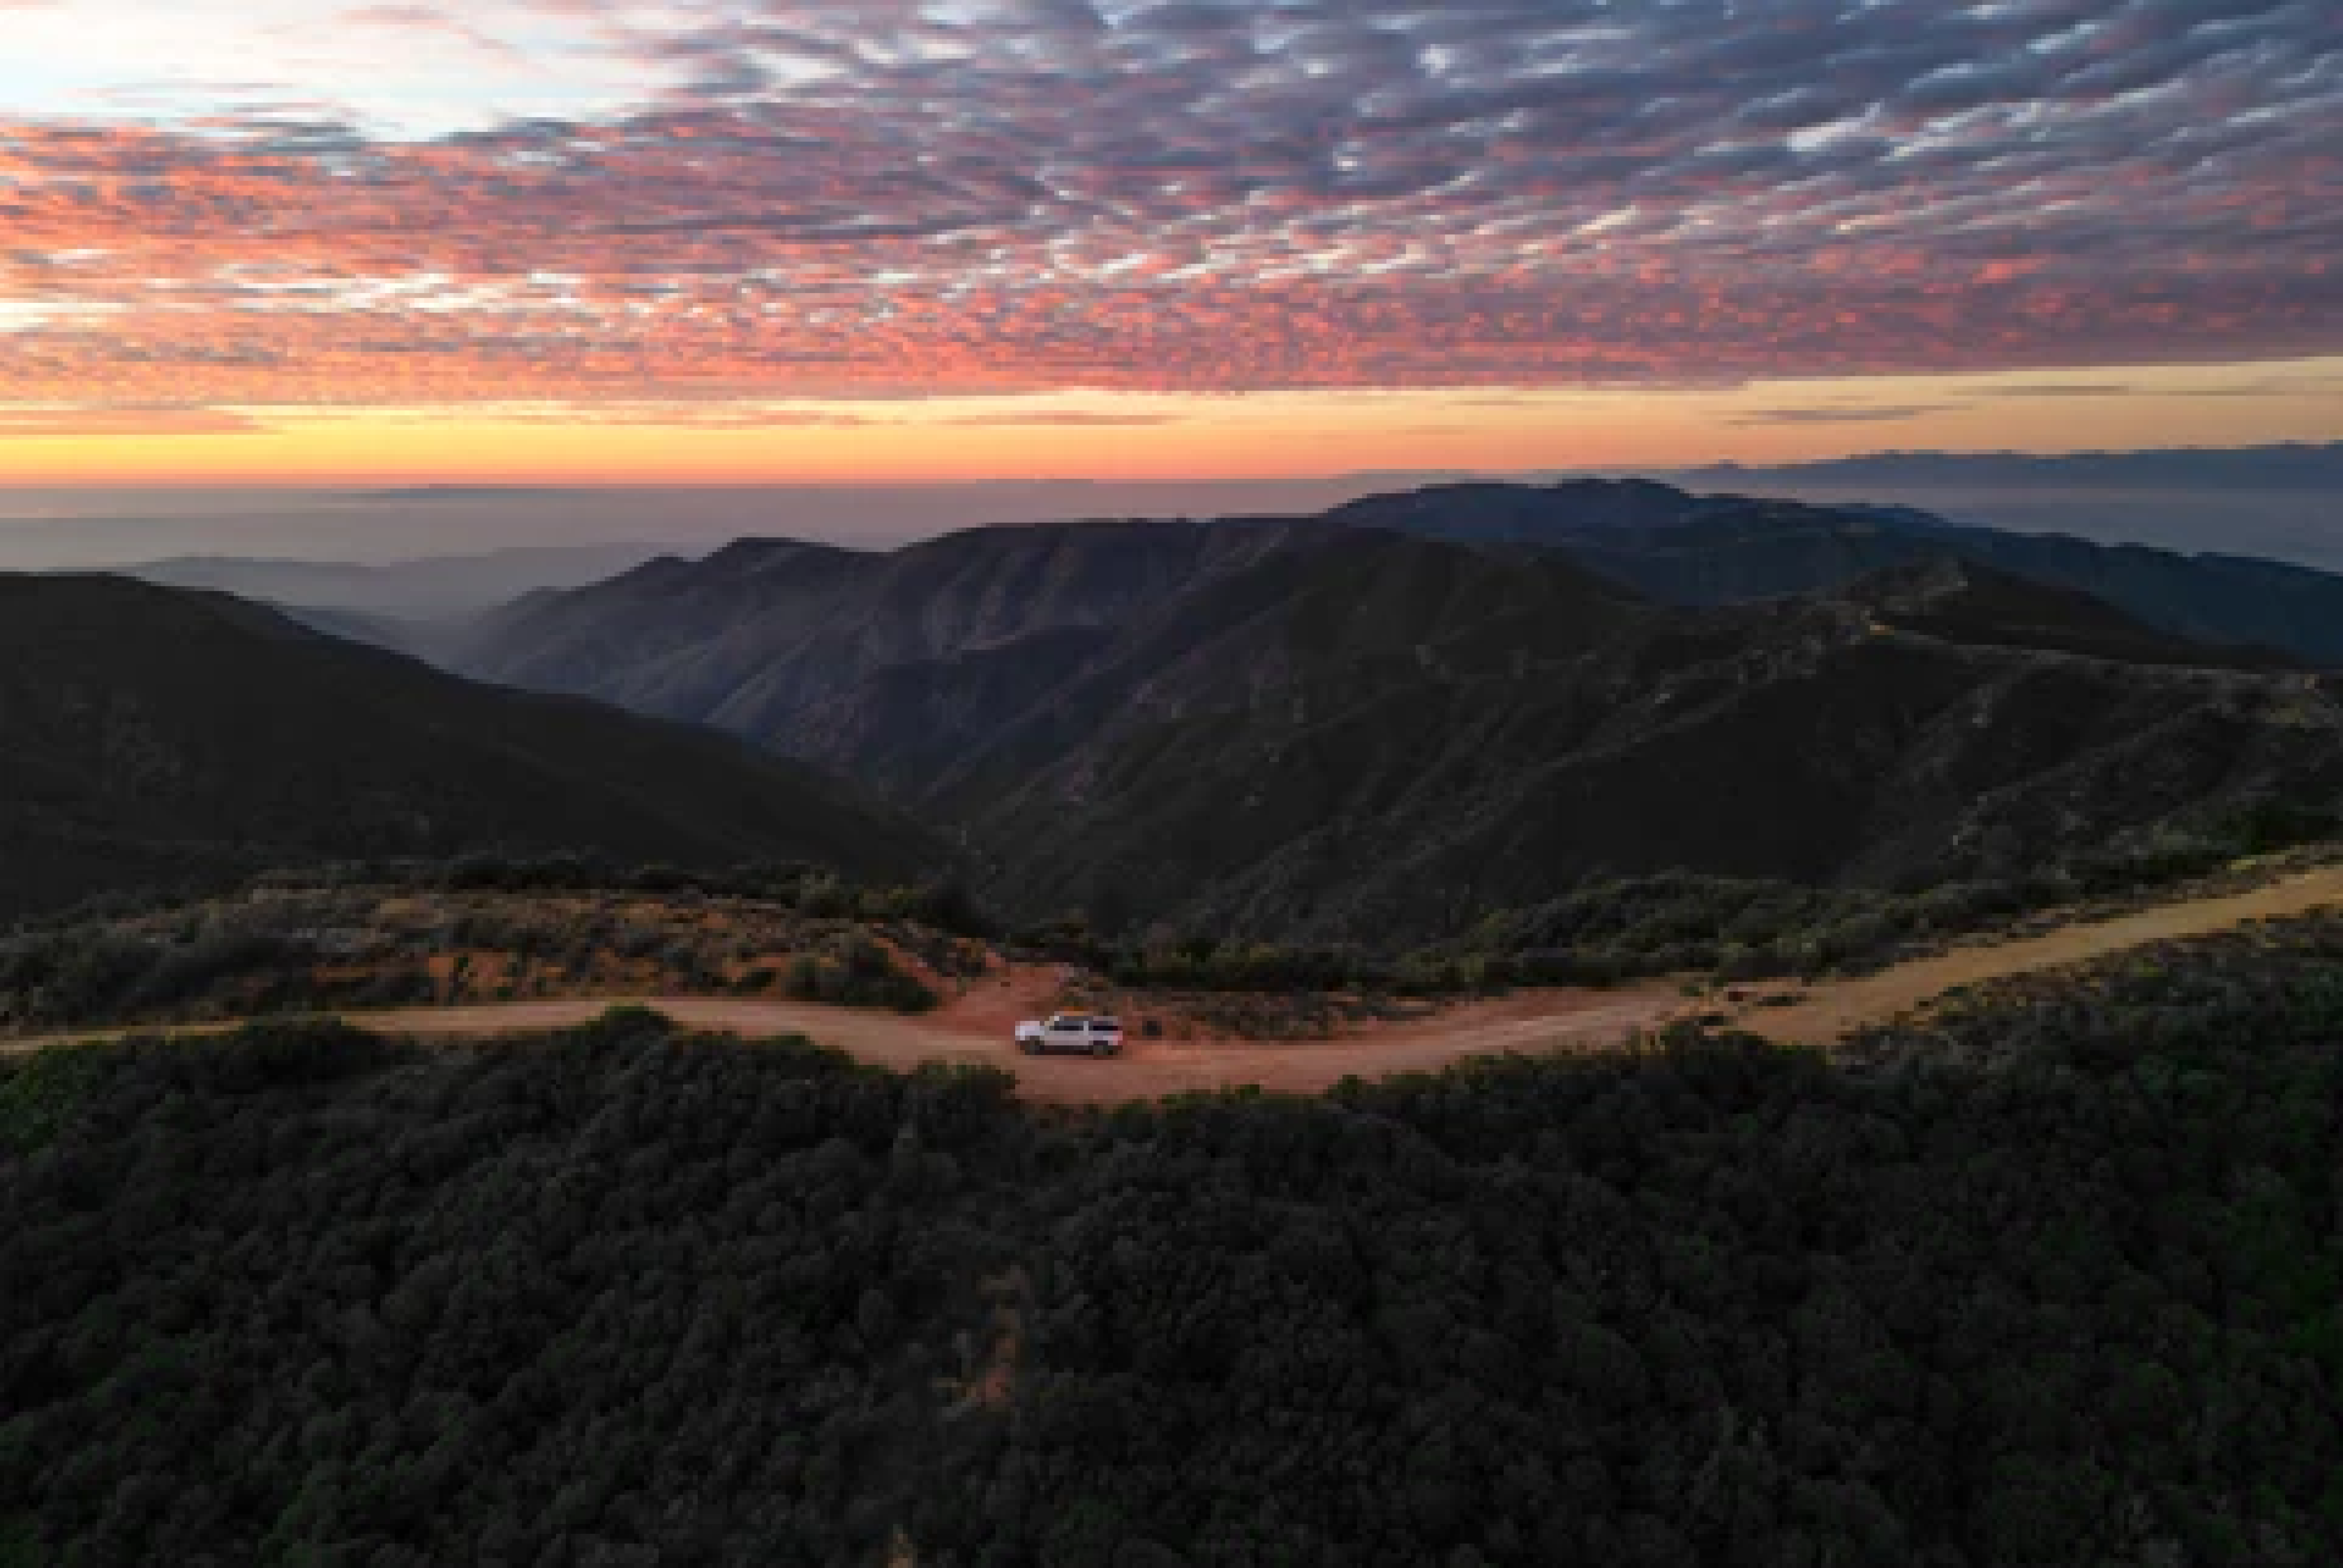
{"x": 975, "y": 1027}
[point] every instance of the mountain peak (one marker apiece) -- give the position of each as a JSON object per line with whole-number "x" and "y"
{"x": 758, "y": 554}
{"x": 1523, "y": 514}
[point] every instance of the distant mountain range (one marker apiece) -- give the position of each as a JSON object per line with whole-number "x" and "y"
{"x": 1691, "y": 550}
{"x": 1397, "y": 717}
{"x": 157, "y": 738}
{"x": 2288, "y": 467}
{"x": 2276, "y": 503}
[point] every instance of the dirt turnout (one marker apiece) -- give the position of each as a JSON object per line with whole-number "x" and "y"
{"x": 976, "y": 1027}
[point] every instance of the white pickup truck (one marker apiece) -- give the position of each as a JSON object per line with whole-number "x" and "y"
{"x": 1084, "y": 1034}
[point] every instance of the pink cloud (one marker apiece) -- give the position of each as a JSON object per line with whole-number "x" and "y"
{"x": 862, "y": 199}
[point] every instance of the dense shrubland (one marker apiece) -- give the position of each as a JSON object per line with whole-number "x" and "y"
{"x": 1728, "y": 928}
{"x": 2057, "y": 1281}
{"x": 808, "y": 890}
{"x": 395, "y": 935}
{"x": 465, "y": 935}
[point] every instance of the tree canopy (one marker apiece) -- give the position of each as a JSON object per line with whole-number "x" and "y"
{"x": 2056, "y": 1281}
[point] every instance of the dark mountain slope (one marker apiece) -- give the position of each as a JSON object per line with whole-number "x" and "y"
{"x": 1311, "y": 630}
{"x": 1276, "y": 772}
{"x": 2205, "y": 597}
{"x": 1528, "y": 514}
{"x": 903, "y": 727}
{"x": 669, "y": 637}
{"x": 895, "y": 668}
{"x": 775, "y": 640}
{"x": 1327, "y": 727}
{"x": 1961, "y": 601}
{"x": 1727, "y": 549}
{"x": 158, "y": 737}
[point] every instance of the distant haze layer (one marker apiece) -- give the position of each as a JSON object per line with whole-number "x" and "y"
{"x": 42, "y": 530}
{"x": 2285, "y": 503}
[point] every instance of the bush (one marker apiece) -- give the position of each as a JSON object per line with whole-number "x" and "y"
{"x": 856, "y": 971}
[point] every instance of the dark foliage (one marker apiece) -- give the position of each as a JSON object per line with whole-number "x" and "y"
{"x": 1731, "y": 928}
{"x": 936, "y": 900}
{"x": 1403, "y": 742}
{"x": 855, "y": 971}
{"x": 157, "y": 738}
{"x": 1375, "y": 729}
{"x": 1727, "y": 548}
{"x": 364, "y": 936}
{"x": 2055, "y": 1283}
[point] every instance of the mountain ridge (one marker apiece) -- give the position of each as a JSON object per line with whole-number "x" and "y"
{"x": 170, "y": 738}
{"x": 2284, "y": 465}
{"x": 1693, "y": 549}
{"x": 1795, "y": 742}
{"x": 1325, "y": 727}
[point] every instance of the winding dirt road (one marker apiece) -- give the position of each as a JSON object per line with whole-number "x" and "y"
{"x": 976, "y": 1027}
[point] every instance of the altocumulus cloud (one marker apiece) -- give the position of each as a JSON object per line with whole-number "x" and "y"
{"x": 824, "y": 199}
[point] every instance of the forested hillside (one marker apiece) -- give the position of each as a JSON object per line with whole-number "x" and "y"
{"x": 2058, "y": 1282}
{"x": 1395, "y": 723}
{"x": 158, "y": 738}
{"x": 1381, "y": 737}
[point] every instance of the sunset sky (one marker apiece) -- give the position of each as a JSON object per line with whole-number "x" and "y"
{"x": 905, "y": 240}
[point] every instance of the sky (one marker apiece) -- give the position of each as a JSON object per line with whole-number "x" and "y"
{"x": 842, "y": 242}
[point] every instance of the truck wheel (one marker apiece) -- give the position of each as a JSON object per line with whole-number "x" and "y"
{"x": 1102, "y": 1050}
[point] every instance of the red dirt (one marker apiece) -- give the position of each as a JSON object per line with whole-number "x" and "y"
{"x": 978, "y": 1027}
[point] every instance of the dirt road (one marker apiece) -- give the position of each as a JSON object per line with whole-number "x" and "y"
{"x": 977, "y": 1027}
{"x": 1830, "y": 1010}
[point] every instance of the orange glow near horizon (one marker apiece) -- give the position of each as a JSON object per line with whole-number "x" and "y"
{"x": 1178, "y": 437}
{"x": 636, "y": 240}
